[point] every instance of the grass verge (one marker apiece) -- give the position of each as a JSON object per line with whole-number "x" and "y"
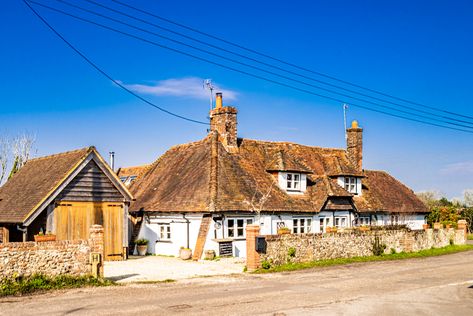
{"x": 38, "y": 282}
{"x": 469, "y": 236}
{"x": 385, "y": 257}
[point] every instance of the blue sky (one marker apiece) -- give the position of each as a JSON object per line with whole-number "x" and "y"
{"x": 418, "y": 50}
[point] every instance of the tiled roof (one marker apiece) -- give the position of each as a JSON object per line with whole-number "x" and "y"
{"x": 38, "y": 177}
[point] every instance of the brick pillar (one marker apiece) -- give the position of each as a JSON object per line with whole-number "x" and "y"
{"x": 96, "y": 243}
{"x": 462, "y": 224}
{"x": 253, "y": 261}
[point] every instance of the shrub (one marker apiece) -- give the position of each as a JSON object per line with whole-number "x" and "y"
{"x": 378, "y": 248}
{"x": 265, "y": 264}
{"x": 393, "y": 251}
{"x": 291, "y": 252}
{"x": 142, "y": 242}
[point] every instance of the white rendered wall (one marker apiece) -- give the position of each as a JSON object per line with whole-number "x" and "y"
{"x": 150, "y": 230}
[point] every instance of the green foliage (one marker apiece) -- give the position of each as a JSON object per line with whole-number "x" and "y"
{"x": 451, "y": 242}
{"x": 291, "y": 266}
{"x": 265, "y": 264}
{"x": 393, "y": 251}
{"x": 445, "y": 214}
{"x": 378, "y": 248}
{"x": 291, "y": 252}
{"x": 19, "y": 285}
{"x": 141, "y": 242}
{"x": 469, "y": 237}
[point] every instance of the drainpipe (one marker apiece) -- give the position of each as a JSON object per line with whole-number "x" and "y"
{"x": 24, "y": 231}
{"x": 188, "y": 229}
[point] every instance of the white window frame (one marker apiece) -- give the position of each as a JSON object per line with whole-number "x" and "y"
{"x": 302, "y": 225}
{"x": 351, "y": 184}
{"x": 338, "y": 221}
{"x": 324, "y": 223}
{"x": 234, "y": 230}
{"x": 165, "y": 231}
{"x": 364, "y": 221}
{"x": 293, "y": 182}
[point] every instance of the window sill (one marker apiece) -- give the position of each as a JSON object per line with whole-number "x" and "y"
{"x": 164, "y": 241}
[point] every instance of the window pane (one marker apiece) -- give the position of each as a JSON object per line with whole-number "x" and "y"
{"x": 230, "y": 232}
{"x": 231, "y": 223}
{"x": 249, "y": 221}
{"x": 239, "y": 223}
{"x": 289, "y": 177}
{"x": 295, "y": 222}
{"x": 240, "y": 232}
{"x": 297, "y": 177}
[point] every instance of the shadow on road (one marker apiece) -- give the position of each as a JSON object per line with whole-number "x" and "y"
{"x": 122, "y": 277}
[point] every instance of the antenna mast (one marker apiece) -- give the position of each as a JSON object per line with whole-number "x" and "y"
{"x": 345, "y": 108}
{"x": 209, "y": 85}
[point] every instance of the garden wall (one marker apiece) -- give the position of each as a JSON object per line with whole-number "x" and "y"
{"x": 51, "y": 258}
{"x": 312, "y": 247}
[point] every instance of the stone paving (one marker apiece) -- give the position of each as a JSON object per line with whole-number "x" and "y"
{"x": 158, "y": 268}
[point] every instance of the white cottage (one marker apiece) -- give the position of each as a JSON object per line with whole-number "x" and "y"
{"x": 202, "y": 195}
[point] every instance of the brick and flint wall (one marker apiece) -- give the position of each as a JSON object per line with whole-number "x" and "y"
{"x": 313, "y": 247}
{"x": 51, "y": 258}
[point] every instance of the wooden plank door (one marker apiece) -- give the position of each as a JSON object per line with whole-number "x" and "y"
{"x": 113, "y": 231}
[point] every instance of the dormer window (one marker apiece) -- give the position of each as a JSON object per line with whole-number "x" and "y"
{"x": 293, "y": 182}
{"x": 350, "y": 184}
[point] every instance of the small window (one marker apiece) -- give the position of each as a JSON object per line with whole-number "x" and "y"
{"x": 236, "y": 227}
{"x": 341, "y": 221}
{"x": 123, "y": 179}
{"x": 364, "y": 221}
{"x": 301, "y": 225}
{"x": 350, "y": 185}
{"x": 165, "y": 231}
{"x": 293, "y": 182}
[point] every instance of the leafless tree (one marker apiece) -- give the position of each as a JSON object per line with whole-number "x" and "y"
{"x": 22, "y": 147}
{"x": 429, "y": 197}
{"x": 258, "y": 200}
{"x": 468, "y": 197}
{"x": 4, "y": 157}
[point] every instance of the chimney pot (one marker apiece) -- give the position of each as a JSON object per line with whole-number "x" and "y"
{"x": 218, "y": 100}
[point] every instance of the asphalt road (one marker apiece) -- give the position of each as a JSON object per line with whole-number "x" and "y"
{"x": 432, "y": 286}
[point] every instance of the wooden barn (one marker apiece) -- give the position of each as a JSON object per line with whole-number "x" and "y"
{"x": 64, "y": 194}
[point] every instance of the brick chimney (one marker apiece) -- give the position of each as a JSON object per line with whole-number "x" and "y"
{"x": 355, "y": 145}
{"x": 223, "y": 119}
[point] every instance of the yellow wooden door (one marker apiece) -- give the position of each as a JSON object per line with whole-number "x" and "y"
{"x": 73, "y": 221}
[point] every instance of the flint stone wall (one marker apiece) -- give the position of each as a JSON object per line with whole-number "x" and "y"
{"x": 313, "y": 247}
{"x": 50, "y": 258}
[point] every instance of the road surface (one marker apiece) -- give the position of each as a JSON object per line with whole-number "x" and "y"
{"x": 432, "y": 286}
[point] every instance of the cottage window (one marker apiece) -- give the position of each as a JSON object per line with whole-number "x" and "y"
{"x": 301, "y": 225}
{"x": 350, "y": 185}
{"x": 324, "y": 223}
{"x": 341, "y": 221}
{"x": 364, "y": 221}
{"x": 293, "y": 182}
{"x": 165, "y": 231}
{"x": 236, "y": 227}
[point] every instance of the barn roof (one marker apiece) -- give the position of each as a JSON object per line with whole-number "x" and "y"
{"x": 39, "y": 178}
{"x": 180, "y": 180}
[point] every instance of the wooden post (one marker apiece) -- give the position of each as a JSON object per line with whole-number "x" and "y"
{"x": 253, "y": 260}
{"x": 97, "y": 249}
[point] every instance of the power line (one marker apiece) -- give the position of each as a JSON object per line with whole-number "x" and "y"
{"x": 287, "y": 63}
{"x": 244, "y": 72}
{"x": 248, "y": 65}
{"x": 250, "y": 58}
{"x": 105, "y": 74}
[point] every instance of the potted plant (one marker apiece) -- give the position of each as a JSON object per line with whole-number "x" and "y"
{"x": 41, "y": 237}
{"x": 142, "y": 246}
{"x": 283, "y": 231}
{"x": 364, "y": 228}
{"x": 425, "y": 226}
{"x": 185, "y": 253}
{"x": 438, "y": 225}
{"x": 209, "y": 255}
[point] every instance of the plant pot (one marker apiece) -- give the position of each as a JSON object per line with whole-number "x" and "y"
{"x": 364, "y": 229}
{"x": 283, "y": 231}
{"x": 185, "y": 253}
{"x": 448, "y": 226}
{"x": 44, "y": 238}
{"x": 142, "y": 249}
{"x": 438, "y": 226}
{"x": 425, "y": 226}
{"x": 209, "y": 255}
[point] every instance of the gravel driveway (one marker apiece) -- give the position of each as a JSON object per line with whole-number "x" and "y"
{"x": 157, "y": 268}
